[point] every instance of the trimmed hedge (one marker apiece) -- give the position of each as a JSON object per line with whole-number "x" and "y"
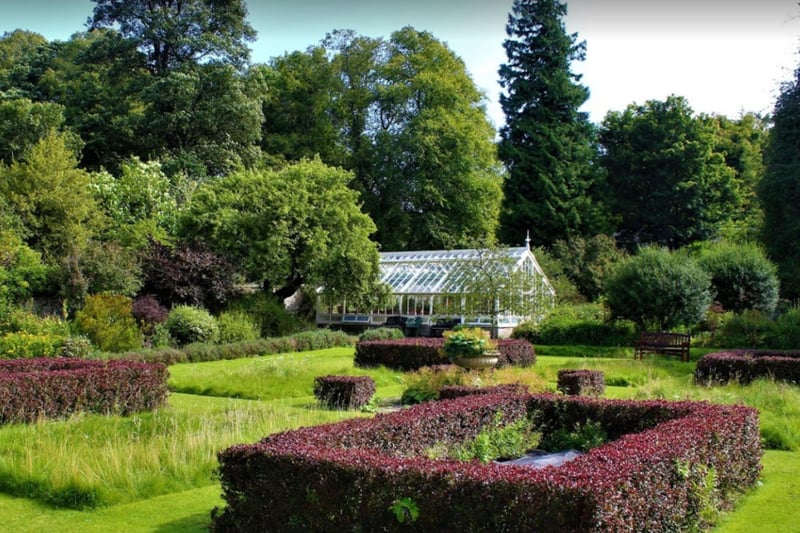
{"x": 198, "y": 353}
{"x": 58, "y": 387}
{"x": 414, "y": 353}
{"x": 581, "y": 382}
{"x": 451, "y": 392}
{"x": 350, "y": 475}
{"x": 344, "y": 392}
{"x": 744, "y": 366}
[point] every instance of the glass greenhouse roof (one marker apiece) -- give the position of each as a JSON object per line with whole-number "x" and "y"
{"x": 434, "y": 271}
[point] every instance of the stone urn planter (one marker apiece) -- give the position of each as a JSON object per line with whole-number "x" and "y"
{"x": 470, "y": 348}
{"x": 487, "y": 360}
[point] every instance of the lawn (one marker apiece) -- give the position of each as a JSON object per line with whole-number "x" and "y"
{"x": 155, "y": 471}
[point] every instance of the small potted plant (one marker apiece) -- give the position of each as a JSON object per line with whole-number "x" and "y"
{"x": 470, "y": 348}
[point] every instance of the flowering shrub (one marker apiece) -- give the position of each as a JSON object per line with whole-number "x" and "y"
{"x": 746, "y": 365}
{"x": 414, "y": 353}
{"x": 347, "y": 476}
{"x": 577, "y": 382}
{"x": 344, "y": 392}
{"x": 57, "y": 387}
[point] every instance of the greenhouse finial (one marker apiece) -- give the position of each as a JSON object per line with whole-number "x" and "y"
{"x": 528, "y": 240}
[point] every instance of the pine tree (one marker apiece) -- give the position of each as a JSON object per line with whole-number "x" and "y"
{"x": 546, "y": 143}
{"x": 779, "y": 190}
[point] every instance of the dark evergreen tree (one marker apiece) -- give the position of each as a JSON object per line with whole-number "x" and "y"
{"x": 779, "y": 191}
{"x": 546, "y": 143}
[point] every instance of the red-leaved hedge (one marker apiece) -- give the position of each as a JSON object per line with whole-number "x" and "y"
{"x": 344, "y": 392}
{"x": 450, "y": 392}
{"x": 348, "y": 476}
{"x": 746, "y": 365}
{"x": 581, "y": 382}
{"x": 57, "y": 387}
{"x": 414, "y": 353}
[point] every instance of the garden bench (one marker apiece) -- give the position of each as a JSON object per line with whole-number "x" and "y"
{"x": 444, "y": 324}
{"x": 395, "y": 321}
{"x": 663, "y": 343}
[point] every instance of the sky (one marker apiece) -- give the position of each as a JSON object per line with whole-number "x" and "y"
{"x": 726, "y": 57}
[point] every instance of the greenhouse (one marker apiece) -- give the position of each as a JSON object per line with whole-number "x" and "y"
{"x": 478, "y": 287}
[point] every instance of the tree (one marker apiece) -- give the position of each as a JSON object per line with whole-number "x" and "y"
{"x": 741, "y": 275}
{"x": 23, "y": 123}
{"x": 779, "y": 191}
{"x": 52, "y": 198}
{"x": 546, "y": 144}
{"x": 298, "y": 107}
{"x": 174, "y": 33}
{"x": 587, "y": 260}
{"x": 300, "y": 225}
{"x": 658, "y": 289}
{"x": 436, "y": 181}
{"x": 742, "y": 142}
{"x": 666, "y": 182}
{"x": 188, "y": 274}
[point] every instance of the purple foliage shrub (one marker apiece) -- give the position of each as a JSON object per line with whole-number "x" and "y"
{"x": 348, "y": 476}
{"x": 581, "y": 382}
{"x": 450, "y": 392}
{"x": 746, "y": 365}
{"x": 58, "y": 387}
{"x": 344, "y": 392}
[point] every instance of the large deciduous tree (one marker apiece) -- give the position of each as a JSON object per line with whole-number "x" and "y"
{"x": 667, "y": 184}
{"x": 297, "y": 226}
{"x": 435, "y": 182}
{"x": 779, "y": 190}
{"x": 173, "y": 33}
{"x": 546, "y": 143}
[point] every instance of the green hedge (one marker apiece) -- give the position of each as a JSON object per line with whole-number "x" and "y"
{"x": 198, "y": 353}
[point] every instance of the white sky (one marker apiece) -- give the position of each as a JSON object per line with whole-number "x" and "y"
{"x": 724, "y": 56}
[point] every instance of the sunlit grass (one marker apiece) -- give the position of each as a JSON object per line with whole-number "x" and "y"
{"x": 272, "y": 376}
{"x": 91, "y": 460}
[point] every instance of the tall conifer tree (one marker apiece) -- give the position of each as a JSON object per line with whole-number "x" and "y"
{"x": 546, "y": 143}
{"x": 779, "y": 191}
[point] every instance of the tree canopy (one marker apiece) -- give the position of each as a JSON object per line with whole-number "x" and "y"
{"x": 666, "y": 182}
{"x": 546, "y": 143}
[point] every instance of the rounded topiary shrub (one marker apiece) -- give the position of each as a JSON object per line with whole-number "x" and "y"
{"x": 187, "y": 324}
{"x": 658, "y": 289}
{"x": 742, "y": 276}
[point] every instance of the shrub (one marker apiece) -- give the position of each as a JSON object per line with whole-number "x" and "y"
{"x": 658, "y": 289}
{"x": 498, "y": 441}
{"x": 58, "y": 387}
{"x": 77, "y": 347}
{"x": 149, "y": 313}
{"x": 269, "y": 314}
{"x": 742, "y": 276}
{"x": 744, "y": 366}
{"x": 189, "y": 274}
{"x": 381, "y": 334}
{"x": 578, "y": 324}
{"x": 108, "y": 321}
{"x": 450, "y": 392}
{"x": 198, "y": 353}
{"x": 577, "y": 382}
{"x": 236, "y": 326}
{"x": 344, "y": 392}
{"x": 641, "y": 480}
{"x": 426, "y": 383}
{"x": 188, "y": 324}
{"x": 29, "y": 345}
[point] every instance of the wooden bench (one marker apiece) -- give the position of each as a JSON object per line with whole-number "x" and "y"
{"x": 663, "y": 343}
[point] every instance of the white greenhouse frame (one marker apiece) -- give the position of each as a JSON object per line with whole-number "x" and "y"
{"x": 421, "y": 281}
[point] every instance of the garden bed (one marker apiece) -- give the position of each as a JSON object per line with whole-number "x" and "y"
{"x": 665, "y": 463}
{"x": 743, "y": 366}
{"x": 57, "y": 387}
